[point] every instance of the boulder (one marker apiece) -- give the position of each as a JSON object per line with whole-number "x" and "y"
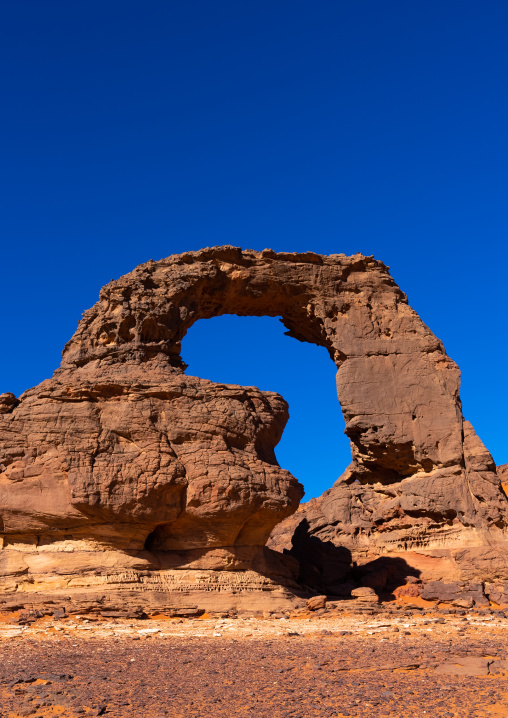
{"x": 459, "y": 594}
{"x": 8, "y": 402}
{"x": 365, "y": 594}
{"x": 316, "y": 602}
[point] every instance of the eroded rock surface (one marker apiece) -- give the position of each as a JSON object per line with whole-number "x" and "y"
{"x": 123, "y": 472}
{"x": 503, "y": 475}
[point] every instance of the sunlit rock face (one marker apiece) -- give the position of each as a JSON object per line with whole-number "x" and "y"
{"x": 121, "y": 459}
{"x": 503, "y": 475}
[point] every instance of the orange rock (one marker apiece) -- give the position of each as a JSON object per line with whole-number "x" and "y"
{"x": 410, "y": 590}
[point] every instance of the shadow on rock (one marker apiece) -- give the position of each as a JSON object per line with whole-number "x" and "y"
{"x": 385, "y": 575}
{"x": 329, "y": 569}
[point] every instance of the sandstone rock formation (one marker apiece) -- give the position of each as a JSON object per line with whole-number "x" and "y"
{"x": 122, "y": 473}
{"x": 503, "y": 475}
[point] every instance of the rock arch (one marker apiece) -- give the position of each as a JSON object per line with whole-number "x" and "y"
{"x": 398, "y": 389}
{"x": 121, "y": 445}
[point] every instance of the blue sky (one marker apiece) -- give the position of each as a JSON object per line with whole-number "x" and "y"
{"x": 135, "y": 130}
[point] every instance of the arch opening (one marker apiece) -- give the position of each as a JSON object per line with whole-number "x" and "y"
{"x": 254, "y": 351}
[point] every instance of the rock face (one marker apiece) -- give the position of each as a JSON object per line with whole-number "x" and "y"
{"x": 123, "y": 473}
{"x": 503, "y": 475}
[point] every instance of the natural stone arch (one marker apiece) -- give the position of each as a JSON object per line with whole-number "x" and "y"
{"x": 398, "y": 390}
{"x": 350, "y": 305}
{"x": 120, "y": 445}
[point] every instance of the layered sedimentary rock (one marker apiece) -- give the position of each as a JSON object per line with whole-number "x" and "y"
{"x": 368, "y": 535}
{"x": 123, "y": 473}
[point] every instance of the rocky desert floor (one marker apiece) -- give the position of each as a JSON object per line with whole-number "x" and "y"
{"x": 393, "y": 662}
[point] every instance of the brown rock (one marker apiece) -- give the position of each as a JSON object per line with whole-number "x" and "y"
{"x": 497, "y": 593}
{"x": 365, "y": 594}
{"x": 499, "y": 667}
{"x": 123, "y": 473}
{"x": 316, "y": 602}
{"x": 466, "y": 602}
{"x": 8, "y": 402}
{"x": 463, "y": 595}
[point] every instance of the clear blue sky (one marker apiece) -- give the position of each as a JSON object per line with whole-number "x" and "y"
{"x": 134, "y": 130}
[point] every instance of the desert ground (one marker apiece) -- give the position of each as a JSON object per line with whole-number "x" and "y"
{"x": 392, "y": 661}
